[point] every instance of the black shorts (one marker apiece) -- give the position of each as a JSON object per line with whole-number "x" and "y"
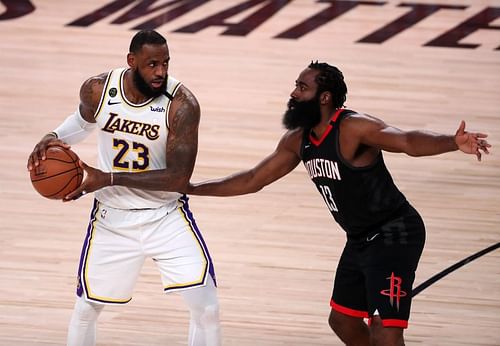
{"x": 375, "y": 274}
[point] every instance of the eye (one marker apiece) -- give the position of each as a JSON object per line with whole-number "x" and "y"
{"x": 300, "y": 86}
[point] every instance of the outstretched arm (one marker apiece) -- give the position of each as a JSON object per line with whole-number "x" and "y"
{"x": 375, "y": 133}
{"x": 281, "y": 162}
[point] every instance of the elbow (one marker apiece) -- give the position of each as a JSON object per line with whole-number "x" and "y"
{"x": 413, "y": 154}
{"x": 255, "y": 189}
{"x": 183, "y": 186}
{"x": 411, "y": 148}
{"x": 252, "y": 183}
{"x": 176, "y": 183}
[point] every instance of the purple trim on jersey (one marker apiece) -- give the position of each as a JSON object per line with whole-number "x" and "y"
{"x": 81, "y": 277}
{"x": 189, "y": 216}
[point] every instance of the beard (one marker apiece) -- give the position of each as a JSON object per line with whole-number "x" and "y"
{"x": 303, "y": 114}
{"x": 145, "y": 88}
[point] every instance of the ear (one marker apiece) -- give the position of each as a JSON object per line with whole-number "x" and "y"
{"x": 131, "y": 59}
{"x": 325, "y": 97}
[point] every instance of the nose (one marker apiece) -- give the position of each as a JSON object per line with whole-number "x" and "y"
{"x": 293, "y": 94}
{"x": 161, "y": 71}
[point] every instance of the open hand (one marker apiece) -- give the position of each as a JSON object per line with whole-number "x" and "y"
{"x": 471, "y": 143}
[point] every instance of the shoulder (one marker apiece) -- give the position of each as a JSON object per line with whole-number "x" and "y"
{"x": 185, "y": 97}
{"x": 184, "y": 108}
{"x": 90, "y": 95}
{"x": 95, "y": 83}
{"x": 355, "y": 122}
{"x": 292, "y": 140}
{"x": 91, "y": 89}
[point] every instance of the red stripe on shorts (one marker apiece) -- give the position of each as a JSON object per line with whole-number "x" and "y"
{"x": 347, "y": 311}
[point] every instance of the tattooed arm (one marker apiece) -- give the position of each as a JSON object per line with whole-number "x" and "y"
{"x": 90, "y": 95}
{"x": 182, "y": 147}
{"x": 77, "y": 125}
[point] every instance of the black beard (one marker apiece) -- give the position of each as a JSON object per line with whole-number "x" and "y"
{"x": 144, "y": 87}
{"x": 303, "y": 114}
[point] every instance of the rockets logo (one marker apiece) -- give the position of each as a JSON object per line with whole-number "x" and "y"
{"x": 394, "y": 292}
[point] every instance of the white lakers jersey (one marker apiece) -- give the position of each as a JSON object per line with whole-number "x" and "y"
{"x": 132, "y": 138}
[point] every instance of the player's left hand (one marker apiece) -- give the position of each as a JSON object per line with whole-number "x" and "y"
{"x": 471, "y": 143}
{"x": 95, "y": 179}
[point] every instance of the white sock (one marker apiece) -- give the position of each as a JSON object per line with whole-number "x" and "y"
{"x": 82, "y": 327}
{"x": 204, "y": 325}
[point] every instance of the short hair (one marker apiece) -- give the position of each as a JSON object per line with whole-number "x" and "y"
{"x": 331, "y": 79}
{"x": 145, "y": 37}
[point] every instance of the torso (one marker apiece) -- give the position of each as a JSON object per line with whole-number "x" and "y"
{"x": 132, "y": 138}
{"x": 358, "y": 197}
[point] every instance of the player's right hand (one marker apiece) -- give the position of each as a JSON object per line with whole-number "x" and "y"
{"x": 39, "y": 151}
{"x": 94, "y": 180}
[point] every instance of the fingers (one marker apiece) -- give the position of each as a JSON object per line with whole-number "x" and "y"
{"x": 79, "y": 192}
{"x": 461, "y": 128}
{"x": 83, "y": 165}
{"x": 39, "y": 152}
{"x": 84, "y": 188}
{"x": 483, "y": 145}
{"x": 33, "y": 159}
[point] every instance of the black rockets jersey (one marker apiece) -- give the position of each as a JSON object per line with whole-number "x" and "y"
{"x": 359, "y": 198}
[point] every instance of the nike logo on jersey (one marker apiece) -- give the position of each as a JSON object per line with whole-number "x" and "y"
{"x": 113, "y": 103}
{"x": 372, "y": 237}
{"x": 116, "y": 123}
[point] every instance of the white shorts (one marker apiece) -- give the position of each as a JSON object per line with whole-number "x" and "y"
{"x": 118, "y": 241}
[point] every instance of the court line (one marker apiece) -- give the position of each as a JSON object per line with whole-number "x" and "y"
{"x": 452, "y": 268}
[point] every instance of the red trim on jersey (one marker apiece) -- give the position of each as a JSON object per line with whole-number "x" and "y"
{"x": 317, "y": 142}
{"x": 347, "y": 311}
{"x": 336, "y": 114}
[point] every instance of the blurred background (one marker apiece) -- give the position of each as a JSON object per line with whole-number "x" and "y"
{"x": 427, "y": 64}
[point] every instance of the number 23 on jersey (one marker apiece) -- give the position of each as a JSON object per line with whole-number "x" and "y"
{"x": 120, "y": 161}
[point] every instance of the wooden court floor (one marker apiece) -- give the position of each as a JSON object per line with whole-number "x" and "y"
{"x": 426, "y": 64}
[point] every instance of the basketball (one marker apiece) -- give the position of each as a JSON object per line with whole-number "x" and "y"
{"x": 57, "y": 175}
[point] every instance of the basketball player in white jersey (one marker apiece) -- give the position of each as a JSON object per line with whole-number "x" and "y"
{"x": 147, "y": 125}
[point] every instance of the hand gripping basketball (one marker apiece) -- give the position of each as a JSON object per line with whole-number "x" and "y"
{"x": 57, "y": 173}
{"x": 95, "y": 179}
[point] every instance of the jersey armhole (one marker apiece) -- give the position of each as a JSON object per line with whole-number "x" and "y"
{"x": 103, "y": 95}
{"x": 375, "y": 162}
{"x": 175, "y": 88}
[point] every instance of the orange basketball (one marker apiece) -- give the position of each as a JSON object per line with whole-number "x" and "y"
{"x": 57, "y": 175}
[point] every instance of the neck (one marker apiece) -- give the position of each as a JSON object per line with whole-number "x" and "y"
{"x": 326, "y": 116}
{"x": 130, "y": 90}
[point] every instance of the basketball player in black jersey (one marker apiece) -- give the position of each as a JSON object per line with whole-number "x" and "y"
{"x": 342, "y": 152}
